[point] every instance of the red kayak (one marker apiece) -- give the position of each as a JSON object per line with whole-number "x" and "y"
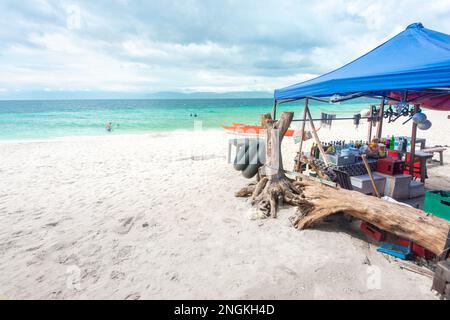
{"x": 239, "y": 128}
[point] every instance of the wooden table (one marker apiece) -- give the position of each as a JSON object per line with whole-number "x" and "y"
{"x": 422, "y": 142}
{"x": 439, "y": 150}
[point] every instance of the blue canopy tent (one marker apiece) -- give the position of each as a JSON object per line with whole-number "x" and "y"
{"x": 412, "y": 67}
{"x": 415, "y": 61}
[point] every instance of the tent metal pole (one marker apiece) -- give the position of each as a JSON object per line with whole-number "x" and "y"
{"x": 318, "y": 99}
{"x": 380, "y": 123}
{"x": 334, "y": 119}
{"x": 286, "y": 101}
{"x": 369, "y": 131}
{"x": 316, "y": 137}
{"x": 303, "y": 126}
{"x": 274, "y": 115}
{"x": 413, "y": 144}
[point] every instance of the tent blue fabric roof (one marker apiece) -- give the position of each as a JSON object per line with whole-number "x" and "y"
{"x": 416, "y": 59}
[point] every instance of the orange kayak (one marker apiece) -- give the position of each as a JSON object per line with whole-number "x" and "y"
{"x": 239, "y": 128}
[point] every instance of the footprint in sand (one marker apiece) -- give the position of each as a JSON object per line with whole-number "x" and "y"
{"x": 286, "y": 270}
{"x": 117, "y": 275}
{"x": 61, "y": 246}
{"x": 71, "y": 259}
{"x": 90, "y": 273}
{"x": 173, "y": 276}
{"x": 232, "y": 222}
{"x": 38, "y": 258}
{"x": 56, "y": 295}
{"x": 202, "y": 236}
{"x": 52, "y": 224}
{"x": 123, "y": 254}
{"x": 33, "y": 248}
{"x": 133, "y": 296}
{"x": 125, "y": 225}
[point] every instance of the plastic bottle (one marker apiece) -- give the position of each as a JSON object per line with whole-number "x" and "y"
{"x": 317, "y": 152}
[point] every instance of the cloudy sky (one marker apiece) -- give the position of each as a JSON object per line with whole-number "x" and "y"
{"x": 192, "y": 45}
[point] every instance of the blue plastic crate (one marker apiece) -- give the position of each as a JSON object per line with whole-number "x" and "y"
{"x": 397, "y": 251}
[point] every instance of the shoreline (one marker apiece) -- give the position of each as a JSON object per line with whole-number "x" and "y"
{"x": 107, "y": 136}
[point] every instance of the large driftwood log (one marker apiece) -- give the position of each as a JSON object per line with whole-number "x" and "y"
{"x": 409, "y": 223}
{"x": 274, "y": 188}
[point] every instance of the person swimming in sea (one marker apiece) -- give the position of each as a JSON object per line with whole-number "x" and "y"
{"x": 109, "y": 127}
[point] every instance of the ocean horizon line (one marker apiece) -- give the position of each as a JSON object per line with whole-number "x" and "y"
{"x": 138, "y": 99}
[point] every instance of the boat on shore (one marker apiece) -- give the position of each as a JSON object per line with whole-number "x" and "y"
{"x": 246, "y": 129}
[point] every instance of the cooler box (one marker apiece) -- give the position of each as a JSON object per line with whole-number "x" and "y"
{"x": 416, "y": 189}
{"x": 438, "y": 203}
{"x": 397, "y": 186}
{"x": 364, "y": 185}
{"x": 390, "y": 166}
{"x": 339, "y": 160}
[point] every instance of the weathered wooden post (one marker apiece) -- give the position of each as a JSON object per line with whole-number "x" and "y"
{"x": 303, "y": 126}
{"x": 369, "y": 130}
{"x": 274, "y": 188}
{"x": 316, "y": 137}
{"x": 381, "y": 116}
{"x": 299, "y": 155}
{"x": 274, "y": 111}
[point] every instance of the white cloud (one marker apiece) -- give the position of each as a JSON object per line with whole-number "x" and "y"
{"x": 56, "y": 42}
{"x": 195, "y": 45}
{"x": 140, "y": 49}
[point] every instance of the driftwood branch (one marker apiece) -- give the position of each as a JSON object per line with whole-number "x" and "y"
{"x": 408, "y": 223}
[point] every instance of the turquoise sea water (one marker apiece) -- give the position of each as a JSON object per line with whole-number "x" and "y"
{"x": 52, "y": 119}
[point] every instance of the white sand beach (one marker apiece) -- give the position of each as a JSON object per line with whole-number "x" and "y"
{"x": 153, "y": 216}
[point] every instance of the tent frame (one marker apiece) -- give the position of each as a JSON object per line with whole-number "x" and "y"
{"x": 382, "y": 96}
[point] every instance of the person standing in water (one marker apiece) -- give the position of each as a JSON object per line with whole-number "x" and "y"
{"x": 109, "y": 127}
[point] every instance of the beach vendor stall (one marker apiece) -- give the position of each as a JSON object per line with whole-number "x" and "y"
{"x": 407, "y": 73}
